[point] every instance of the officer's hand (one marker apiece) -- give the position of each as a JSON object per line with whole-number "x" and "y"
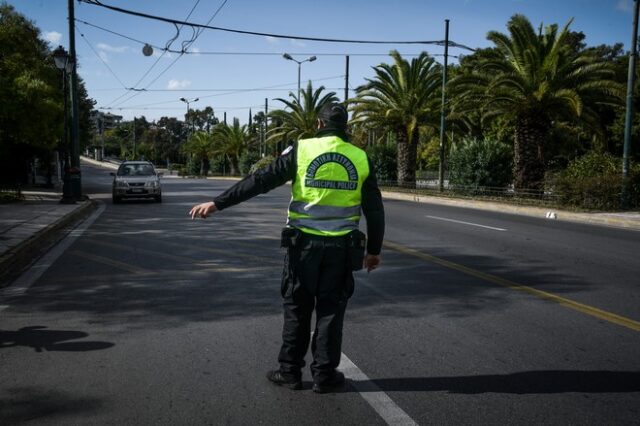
{"x": 203, "y": 210}
{"x": 371, "y": 261}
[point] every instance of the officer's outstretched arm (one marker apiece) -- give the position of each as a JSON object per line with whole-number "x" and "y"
{"x": 203, "y": 210}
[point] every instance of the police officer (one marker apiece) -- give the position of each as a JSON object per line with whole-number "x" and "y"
{"x": 332, "y": 183}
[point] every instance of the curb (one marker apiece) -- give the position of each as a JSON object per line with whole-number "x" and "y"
{"x": 606, "y": 219}
{"x": 18, "y": 258}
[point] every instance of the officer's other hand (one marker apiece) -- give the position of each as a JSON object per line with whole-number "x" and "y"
{"x": 371, "y": 262}
{"x": 203, "y": 210}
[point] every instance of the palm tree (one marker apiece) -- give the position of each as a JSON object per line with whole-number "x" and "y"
{"x": 402, "y": 97}
{"x": 299, "y": 121}
{"x": 199, "y": 146}
{"x": 534, "y": 79}
{"x": 230, "y": 142}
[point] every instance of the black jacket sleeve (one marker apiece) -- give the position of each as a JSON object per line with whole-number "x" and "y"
{"x": 374, "y": 212}
{"x": 281, "y": 170}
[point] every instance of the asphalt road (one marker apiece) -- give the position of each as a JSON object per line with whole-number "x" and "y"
{"x": 146, "y": 317}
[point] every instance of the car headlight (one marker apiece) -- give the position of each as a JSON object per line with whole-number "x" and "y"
{"x": 152, "y": 184}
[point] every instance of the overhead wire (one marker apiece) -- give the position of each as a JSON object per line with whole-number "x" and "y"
{"x": 255, "y": 33}
{"x": 199, "y": 52}
{"x": 84, "y": 38}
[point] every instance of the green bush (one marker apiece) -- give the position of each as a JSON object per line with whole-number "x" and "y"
{"x": 384, "y": 162}
{"x": 481, "y": 163}
{"x": 594, "y": 181}
{"x": 261, "y": 163}
{"x": 247, "y": 160}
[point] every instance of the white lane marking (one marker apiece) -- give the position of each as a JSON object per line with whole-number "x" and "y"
{"x": 377, "y": 399}
{"x": 466, "y": 223}
{"x": 29, "y": 277}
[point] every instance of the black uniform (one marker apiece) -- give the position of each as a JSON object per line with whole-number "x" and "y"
{"x": 317, "y": 272}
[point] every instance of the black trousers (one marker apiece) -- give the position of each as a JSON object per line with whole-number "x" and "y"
{"x": 316, "y": 275}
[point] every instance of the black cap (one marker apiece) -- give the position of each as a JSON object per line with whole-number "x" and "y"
{"x": 334, "y": 115}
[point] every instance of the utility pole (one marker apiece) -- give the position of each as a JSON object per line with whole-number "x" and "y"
{"x": 266, "y": 111}
{"x": 76, "y": 178}
{"x": 134, "y": 138}
{"x": 628, "y": 122}
{"x": 346, "y": 79}
{"x": 442, "y": 108}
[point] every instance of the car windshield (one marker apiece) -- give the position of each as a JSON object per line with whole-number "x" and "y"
{"x": 136, "y": 170}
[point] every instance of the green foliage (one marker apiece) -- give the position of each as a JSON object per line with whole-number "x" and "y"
{"x": 247, "y": 161}
{"x": 31, "y": 97}
{"x": 299, "y": 120}
{"x": 403, "y": 97}
{"x": 230, "y": 142}
{"x": 480, "y": 163}
{"x": 536, "y": 78}
{"x": 262, "y": 163}
{"x": 594, "y": 181}
{"x": 384, "y": 162}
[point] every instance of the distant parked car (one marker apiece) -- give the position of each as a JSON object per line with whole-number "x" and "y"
{"x": 136, "y": 179}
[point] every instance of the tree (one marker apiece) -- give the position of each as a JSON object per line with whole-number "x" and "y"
{"x": 201, "y": 119}
{"x": 200, "y": 145}
{"x": 31, "y": 98}
{"x": 300, "y": 120}
{"x": 230, "y": 142}
{"x": 535, "y": 78}
{"x": 30, "y": 95}
{"x": 401, "y": 97}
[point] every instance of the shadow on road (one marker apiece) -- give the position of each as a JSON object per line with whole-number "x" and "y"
{"x": 38, "y": 338}
{"x": 528, "y": 382}
{"x": 24, "y": 404}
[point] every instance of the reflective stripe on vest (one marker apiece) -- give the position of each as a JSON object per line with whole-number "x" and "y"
{"x": 326, "y": 194}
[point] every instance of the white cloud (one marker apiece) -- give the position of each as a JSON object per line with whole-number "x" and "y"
{"x": 104, "y": 56}
{"x": 53, "y": 37}
{"x": 297, "y": 43}
{"x": 178, "y": 84}
{"x": 271, "y": 40}
{"x": 113, "y": 49}
{"x": 625, "y": 5}
{"x": 162, "y": 53}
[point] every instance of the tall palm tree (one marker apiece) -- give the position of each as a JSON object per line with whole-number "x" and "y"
{"x": 230, "y": 142}
{"x": 401, "y": 97}
{"x": 199, "y": 146}
{"x": 298, "y": 120}
{"x": 535, "y": 78}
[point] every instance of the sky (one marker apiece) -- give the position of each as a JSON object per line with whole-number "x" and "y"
{"x": 234, "y": 73}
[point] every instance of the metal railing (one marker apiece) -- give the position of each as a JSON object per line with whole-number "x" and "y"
{"x": 430, "y": 187}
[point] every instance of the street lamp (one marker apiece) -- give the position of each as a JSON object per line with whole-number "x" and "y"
{"x": 188, "y": 101}
{"x": 64, "y": 63}
{"x": 290, "y": 58}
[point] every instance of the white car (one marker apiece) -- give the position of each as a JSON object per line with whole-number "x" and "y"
{"x": 136, "y": 179}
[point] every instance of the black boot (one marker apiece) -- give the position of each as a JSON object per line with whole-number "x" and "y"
{"x": 288, "y": 381}
{"x": 333, "y": 383}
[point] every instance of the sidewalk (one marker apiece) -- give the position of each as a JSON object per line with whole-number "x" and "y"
{"x": 29, "y": 228}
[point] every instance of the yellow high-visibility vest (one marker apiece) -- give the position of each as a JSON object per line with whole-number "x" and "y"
{"x": 327, "y": 191}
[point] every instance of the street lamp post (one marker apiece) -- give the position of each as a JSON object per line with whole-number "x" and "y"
{"x": 188, "y": 101}
{"x": 290, "y": 58}
{"x": 63, "y": 63}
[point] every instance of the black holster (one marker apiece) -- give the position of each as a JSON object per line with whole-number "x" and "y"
{"x": 356, "y": 245}
{"x": 289, "y": 237}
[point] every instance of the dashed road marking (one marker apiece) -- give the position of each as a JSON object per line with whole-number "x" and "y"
{"x": 466, "y": 223}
